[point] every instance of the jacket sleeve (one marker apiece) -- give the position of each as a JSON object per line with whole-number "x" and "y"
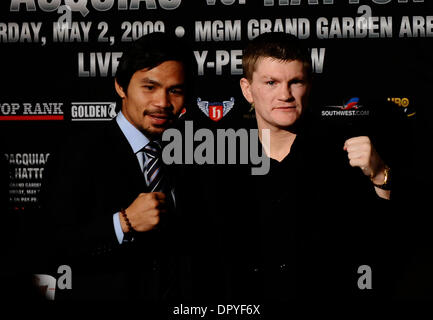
{"x": 70, "y": 203}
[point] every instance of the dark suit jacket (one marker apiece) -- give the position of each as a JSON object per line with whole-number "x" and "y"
{"x": 94, "y": 175}
{"x": 302, "y": 231}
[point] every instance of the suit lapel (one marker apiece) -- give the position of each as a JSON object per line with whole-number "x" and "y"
{"x": 128, "y": 168}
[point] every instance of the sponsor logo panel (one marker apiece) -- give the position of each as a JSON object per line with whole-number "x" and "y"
{"x": 351, "y": 108}
{"x": 25, "y": 111}
{"x": 93, "y": 111}
{"x": 404, "y": 103}
{"x": 215, "y": 110}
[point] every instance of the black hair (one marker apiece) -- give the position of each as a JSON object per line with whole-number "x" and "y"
{"x": 148, "y": 52}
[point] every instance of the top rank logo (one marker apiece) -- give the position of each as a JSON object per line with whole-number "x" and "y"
{"x": 349, "y": 109}
{"x": 31, "y": 111}
{"x": 93, "y": 111}
{"x": 215, "y": 110}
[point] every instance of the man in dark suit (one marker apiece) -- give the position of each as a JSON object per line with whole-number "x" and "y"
{"x": 110, "y": 199}
{"x": 306, "y": 238}
{"x": 307, "y": 228}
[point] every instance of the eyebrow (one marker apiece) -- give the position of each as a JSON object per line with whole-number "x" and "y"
{"x": 154, "y": 82}
{"x": 268, "y": 77}
{"x": 149, "y": 80}
{"x": 296, "y": 77}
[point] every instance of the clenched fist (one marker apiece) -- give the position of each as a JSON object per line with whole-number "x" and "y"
{"x": 362, "y": 154}
{"x": 144, "y": 212}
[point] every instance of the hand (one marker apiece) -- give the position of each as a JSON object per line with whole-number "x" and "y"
{"x": 362, "y": 154}
{"x": 144, "y": 212}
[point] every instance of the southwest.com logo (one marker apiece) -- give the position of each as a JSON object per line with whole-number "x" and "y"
{"x": 349, "y": 109}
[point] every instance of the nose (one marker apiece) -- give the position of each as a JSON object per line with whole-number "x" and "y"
{"x": 286, "y": 93}
{"x": 161, "y": 99}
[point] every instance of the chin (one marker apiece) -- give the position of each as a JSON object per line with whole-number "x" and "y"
{"x": 288, "y": 122}
{"x": 157, "y": 131}
{"x": 152, "y": 131}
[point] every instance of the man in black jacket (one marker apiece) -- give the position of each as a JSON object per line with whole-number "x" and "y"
{"x": 111, "y": 200}
{"x": 311, "y": 206}
{"x": 312, "y": 226}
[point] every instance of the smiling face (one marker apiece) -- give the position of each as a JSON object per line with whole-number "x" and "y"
{"x": 154, "y": 97}
{"x": 279, "y": 90}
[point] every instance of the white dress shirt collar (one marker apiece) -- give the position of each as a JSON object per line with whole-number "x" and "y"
{"x": 135, "y": 137}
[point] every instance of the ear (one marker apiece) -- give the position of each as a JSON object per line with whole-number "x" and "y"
{"x": 119, "y": 89}
{"x": 246, "y": 89}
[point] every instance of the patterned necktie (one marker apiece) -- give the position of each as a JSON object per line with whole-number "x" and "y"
{"x": 153, "y": 171}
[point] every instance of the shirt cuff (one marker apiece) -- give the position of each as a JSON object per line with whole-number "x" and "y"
{"x": 118, "y": 227}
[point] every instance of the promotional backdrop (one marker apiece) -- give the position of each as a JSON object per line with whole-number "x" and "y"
{"x": 372, "y": 61}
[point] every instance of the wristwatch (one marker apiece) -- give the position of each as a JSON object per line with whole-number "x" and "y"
{"x": 386, "y": 185}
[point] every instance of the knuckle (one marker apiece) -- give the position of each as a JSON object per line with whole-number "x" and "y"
{"x": 154, "y": 203}
{"x": 143, "y": 197}
{"x": 368, "y": 146}
{"x": 150, "y": 195}
{"x": 152, "y": 214}
{"x": 155, "y": 220}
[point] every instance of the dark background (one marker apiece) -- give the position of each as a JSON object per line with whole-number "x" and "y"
{"x": 375, "y": 70}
